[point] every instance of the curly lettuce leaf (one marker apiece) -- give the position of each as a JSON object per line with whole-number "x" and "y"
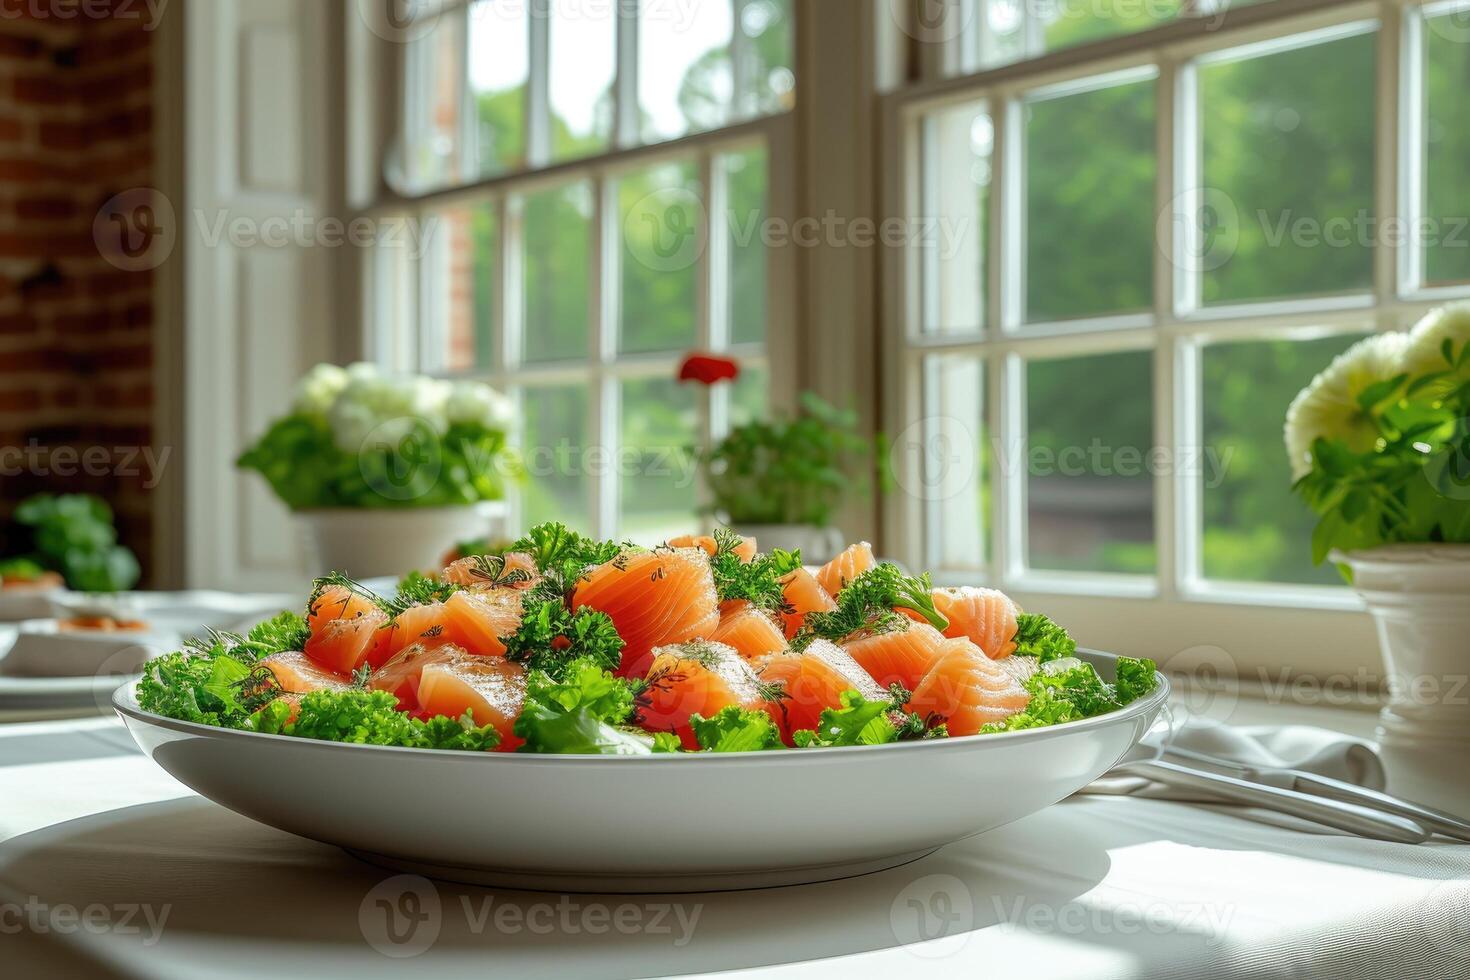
{"x": 858, "y": 722}
{"x": 581, "y": 714}
{"x": 1039, "y": 637}
{"x": 736, "y": 729}
{"x": 369, "y": 718}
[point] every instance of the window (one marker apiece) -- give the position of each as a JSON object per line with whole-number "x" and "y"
{"x": 1147, "y": 252}
{"x": 572, "y": 259}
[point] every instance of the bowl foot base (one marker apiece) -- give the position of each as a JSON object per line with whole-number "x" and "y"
{"x": 640, "y": 884}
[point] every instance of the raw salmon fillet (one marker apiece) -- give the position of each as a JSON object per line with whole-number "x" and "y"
{"x": 803, "y": 594}
{"x": 299, "y": 674}
{"x": 750, "y": 631}
{"x": 811, "y": 681}
{"x": 701, "y": 677}
{"x": 491, "y": 688}
{"x": 519, "y": 572}
{"x": 422, "y": 624}
{"x": 400, "y": 675}
{"x": 835, "y": 575}
{"x": 987, "y": 617}
{"x": 343, "y": 628}
{"x": 654, "y": 598}
{"x": 966, "y": 689}
{"x": 476, "y": 620}
{"x": 745, "y": 550}
{"x": 903, "y": 655}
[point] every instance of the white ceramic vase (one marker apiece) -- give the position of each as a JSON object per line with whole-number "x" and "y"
{"x": 1419, "y": 597}
{"x": 373, "y": 542}
{"x": 818, "y": 545}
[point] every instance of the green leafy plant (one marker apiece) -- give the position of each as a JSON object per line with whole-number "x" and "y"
{"x": 787, "y": 471}
{"x": 1381, "y": 439}
{"x": 360, "y": 439}
{"x": 72, "y": 534}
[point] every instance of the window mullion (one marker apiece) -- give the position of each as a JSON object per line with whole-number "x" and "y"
{"x": 604, "y": 405}
{"x": 625, "y": 77}
{"x": 1172, "y": 388}
{"x": 1398, "y": 188}
{"x": 538, "y": 85}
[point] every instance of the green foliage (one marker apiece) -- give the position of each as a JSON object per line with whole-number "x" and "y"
{"x": 285, "y": 631}
{"x": 787, "y": 471}
{"x": 307, "y": 469}
{"x": 858, "y": 722}
{"x": 1066, "y": 689}
{"x": 369, "y": 718}
{"x": 1414, "y": 484}
{"x": 757, "y": 581}
{"x": 73, "y": 534}
{"x": 580, "y": 715}
{"x": 868, "y": 603}
{"x": 735, "y": 729}
{"x": 1039, "y": 637}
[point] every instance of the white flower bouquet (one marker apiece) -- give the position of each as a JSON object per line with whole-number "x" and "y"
{"x": 1380, "y": 441}
{"x": 359, "y": 438}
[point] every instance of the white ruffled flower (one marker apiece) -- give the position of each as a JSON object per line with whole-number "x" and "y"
{"x": 1328, "y": 407}
{"x": 353, "y": 421}
{"x": 316, "y": 392}
{"x": 1425, "y": 351}
{"x": 472, "y": 403}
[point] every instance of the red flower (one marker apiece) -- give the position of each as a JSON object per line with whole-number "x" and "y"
{"x": 708, "y": 368}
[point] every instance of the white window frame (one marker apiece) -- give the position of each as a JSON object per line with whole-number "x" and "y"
{"x": 1247, "y": 627}
{"x": 403, "y": 327}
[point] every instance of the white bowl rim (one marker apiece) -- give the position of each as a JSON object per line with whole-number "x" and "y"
{"x": 125, "y": 702}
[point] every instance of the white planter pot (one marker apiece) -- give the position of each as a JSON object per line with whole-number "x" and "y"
{"x": 1419, "y": 596}
{"x": 373, "y": 542}
{"x": 818, "y": 545}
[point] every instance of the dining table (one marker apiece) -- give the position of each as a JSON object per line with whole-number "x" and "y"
{"x": 110, "y": 867}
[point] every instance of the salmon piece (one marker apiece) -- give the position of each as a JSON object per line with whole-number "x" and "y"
{"x": 400, "y": 676}
{"x": 835, "y": 575}
{"x": 750, "y": 631}
{"x": 654, "y": 598}
{"x": 491, "y": 688}
{"x": 966, "y": 689}
{"x": 811, "y": 682}
{"x": 519, "y": 572}
{"x": 343, "y": 628}
{"x": 477, "y": 620}
{"x": 700, "y": 677}
{"x": 299, "y": 674}
{"x": 803, "y": 594}
{"x": 986, "y": 616}
{"x": 425, "y": 624}
{"x": 903, "y": 655}
{"x": 745, "y": 550}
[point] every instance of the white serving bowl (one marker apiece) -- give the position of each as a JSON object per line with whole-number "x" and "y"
{"x": 656, "y": 823}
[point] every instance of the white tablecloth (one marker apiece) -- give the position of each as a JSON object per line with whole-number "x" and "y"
{"x": 110, "y": 867}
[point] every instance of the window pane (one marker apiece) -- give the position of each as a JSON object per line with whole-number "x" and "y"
{"x": 499, "y": 63}
{"x": 685, "y": 77}
{"x": 556, "y": 227}
{"x": 583, "y": 56}
{"x": 750, "y": 395}
{"x": 956, "y": 147}
{"x": 953, "y": 462}
{"x": 554, "y": 445}
{"x": 764, "y": 82}
{"x": 434, "y": 126}
{"x": 1065, "y": 24}
{"x": 1447, "y": 147}
{"x": 746, "y": 175}
{"x": 1090, "y": 169}
{"x": 1090, "y": 496}
{"x": 1288, "y": 164}
{"x": 469, "y": 306}
{"x": 1256, "y": 529}
{"x": 662, "y": 238}
{"x": 656, "y": 462}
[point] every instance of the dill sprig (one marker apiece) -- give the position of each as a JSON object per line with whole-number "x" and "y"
{"x": 867, "y": 605}
{"x": 492, "y": 570}
{"x": 757, "y": 581}
{"x": 416, "y": 589}
{"x": 562, "y": 554}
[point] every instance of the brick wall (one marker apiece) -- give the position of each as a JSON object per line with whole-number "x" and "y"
{"x": 76, "y": 128}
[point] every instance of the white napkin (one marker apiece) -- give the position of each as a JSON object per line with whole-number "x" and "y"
{"x": 1314, "y": 750}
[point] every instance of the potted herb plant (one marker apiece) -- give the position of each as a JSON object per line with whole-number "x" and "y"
{"x": 1380, "y": 448}
{"x": 386, "y": 472}
{"x": 782, "y": 481}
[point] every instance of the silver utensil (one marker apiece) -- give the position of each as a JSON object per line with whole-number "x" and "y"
{"x": 1144, "y": 761}
{"x": 1438, "y": 821}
